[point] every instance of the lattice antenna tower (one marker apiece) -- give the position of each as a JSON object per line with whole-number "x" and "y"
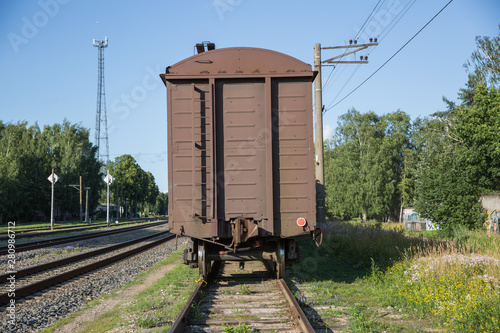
{"x": 101, "y": 122}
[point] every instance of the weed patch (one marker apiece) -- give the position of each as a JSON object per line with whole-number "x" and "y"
{"x": 462, "y": 290}
{"x": 240, "y": 328}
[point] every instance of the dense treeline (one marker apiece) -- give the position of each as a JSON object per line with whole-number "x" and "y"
{"x": 134, "y": 188}
{"x": 376, "y": 165}
{"x": 27, "y": 156}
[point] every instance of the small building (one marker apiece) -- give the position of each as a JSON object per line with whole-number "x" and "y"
{"x": 491, "y": 204}
{"x": 413, "y": 221}
{"x": 113, "y": 208}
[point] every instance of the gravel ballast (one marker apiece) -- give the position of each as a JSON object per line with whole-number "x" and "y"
{"x": 44, "y": 255}
{"x": 39, "y": 312}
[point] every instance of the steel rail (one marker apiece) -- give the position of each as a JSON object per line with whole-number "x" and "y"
{"x": 180, "y": 322}
{"x": 53, "y": 264}
{"x": 42, "y": 232}
{"x": 54, "y": 280}
{"x": 182, "y": 318}
{"x": 62, "y": 240}
{"x": 294, "y": 306}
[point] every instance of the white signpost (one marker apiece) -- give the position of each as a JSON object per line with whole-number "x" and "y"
{"x": 108, "y": 180}
{"x": 53, "y": 178}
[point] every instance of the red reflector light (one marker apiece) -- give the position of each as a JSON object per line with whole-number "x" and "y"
{"x": 301, "y": 222}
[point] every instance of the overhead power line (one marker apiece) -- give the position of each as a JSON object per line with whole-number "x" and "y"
{"x": 355, "y": 37}
{"x": 397, "y": 19}
{"x": 380, "y": 38}
{"x": 385, "y": 63}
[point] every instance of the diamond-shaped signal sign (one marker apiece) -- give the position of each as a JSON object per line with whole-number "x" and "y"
{"x": 53, "y": 180}
{"x": 108, "y": 179}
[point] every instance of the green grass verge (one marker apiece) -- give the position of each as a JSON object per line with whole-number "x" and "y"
{"x": 158, "y": 304}
{"x": 377, "y": 278}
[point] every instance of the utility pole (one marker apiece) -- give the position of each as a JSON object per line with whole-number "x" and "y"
{"x": 87, "y": 204}
{"x": 318, "y": 139}
{"x": 81, "y": 201}
{"x": 80, "y": 189}
{"x": 318, "y": 112}
{"x": 117, "y": 201}
{"x": 353, "y": 44}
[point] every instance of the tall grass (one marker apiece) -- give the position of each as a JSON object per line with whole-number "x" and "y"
{"x": 456, "y": 279}
{"x": 380, "y": 244}
{"x": 461, "y": 288}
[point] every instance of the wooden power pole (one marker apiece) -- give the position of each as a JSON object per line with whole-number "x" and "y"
{"x": 80, "y": 189}
{"x": 318, "y": 137}
{"x": 318, "y": 113}
{"x": 81, "y": 201}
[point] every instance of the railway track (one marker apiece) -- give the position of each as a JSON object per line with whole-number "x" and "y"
{"x": 28, "y": 233}
{"x": 251, "y": 297}
{"x": 34, "y": 279}
{"x": 21, "y": 247}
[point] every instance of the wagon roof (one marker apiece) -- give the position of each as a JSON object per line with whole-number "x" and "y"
{"x": 234, "y": 61}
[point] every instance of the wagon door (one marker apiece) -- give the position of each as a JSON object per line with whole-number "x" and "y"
{"x": 191, "y": 164}
{"x": 243, "y": 158}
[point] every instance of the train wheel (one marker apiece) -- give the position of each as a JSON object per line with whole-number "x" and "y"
{"x": 279, "y": 263}
{"x": 203, "y": 262}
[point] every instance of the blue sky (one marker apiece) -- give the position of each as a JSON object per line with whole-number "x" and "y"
{"x": 49, "y": 66}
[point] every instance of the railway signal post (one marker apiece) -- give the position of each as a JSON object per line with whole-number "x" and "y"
{"x": 108, "y": 180}
{"x": 53, "y": 178}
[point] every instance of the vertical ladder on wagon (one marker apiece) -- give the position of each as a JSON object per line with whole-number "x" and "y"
{"x": 202, "y": 154}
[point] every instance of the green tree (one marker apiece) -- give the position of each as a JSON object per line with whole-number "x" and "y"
{"x": 14, "y": 155}
{"x": 72, "y": 155}
{"x": 138, "y": 186}
{"x": 479, "y": 133}
{"x": 152, "y": 191}
{"x": 364, "y": 165}
{"x": 483, "y": 67}
{"x": 161, "y": 205}
{"x": 397, "y": 153}
{"x": 27, "y": 156}
{"x": 444, "y": 192}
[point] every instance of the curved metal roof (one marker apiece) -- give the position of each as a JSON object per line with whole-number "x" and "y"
{"x": 238, "y": 60}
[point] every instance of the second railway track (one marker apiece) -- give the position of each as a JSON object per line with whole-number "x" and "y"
{"x": 20, "y": 247}
{"x": 30, "y": 280}
{"x": 249, "y": 296}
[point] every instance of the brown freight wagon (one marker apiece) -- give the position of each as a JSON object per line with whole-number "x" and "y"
{"x": 241, "y": 157}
